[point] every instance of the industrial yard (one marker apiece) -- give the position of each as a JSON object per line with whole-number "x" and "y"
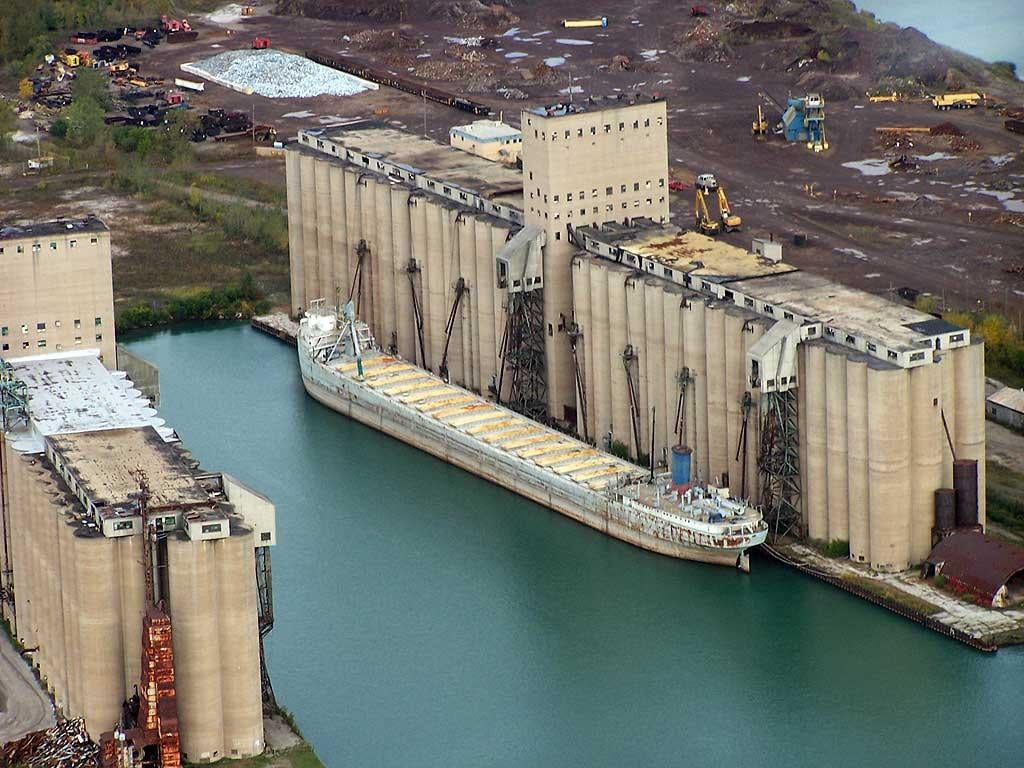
{"x": 739, "y": 282}
{"x": 874, "y": 229}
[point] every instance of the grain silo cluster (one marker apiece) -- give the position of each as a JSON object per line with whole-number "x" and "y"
{"x": 109, "y": 526}
{"x": 793, "y": 390}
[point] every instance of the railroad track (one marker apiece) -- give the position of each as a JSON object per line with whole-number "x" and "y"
{"x": 383, "y": 77}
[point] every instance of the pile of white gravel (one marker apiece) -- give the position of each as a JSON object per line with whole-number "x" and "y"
{"x": 277, "y": 75}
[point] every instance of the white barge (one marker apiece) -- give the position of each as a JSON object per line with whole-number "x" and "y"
{"x": 343, "y": 369}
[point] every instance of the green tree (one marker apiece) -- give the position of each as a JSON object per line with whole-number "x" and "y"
{"x": 1005, "y": 69}
{"x": 91, "y": 84}
{"x": 85, "y": 122}
{"x": 8, "y": 123}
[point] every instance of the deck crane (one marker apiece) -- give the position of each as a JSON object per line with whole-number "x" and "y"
{"x": 730, "y": 222}
{"x": 705, "y": 224}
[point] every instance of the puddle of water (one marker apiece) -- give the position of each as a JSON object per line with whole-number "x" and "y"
{"x": 516, "y": 55}
{"x": 935, "y": 156}
{"x": 572, "y": 41}
{"x": 512, "y": 32}
{"x": 744, "y": 79}
{"x": 555, "y": 61}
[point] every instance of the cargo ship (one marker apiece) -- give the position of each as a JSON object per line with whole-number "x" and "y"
{"x": 343, "y": 368}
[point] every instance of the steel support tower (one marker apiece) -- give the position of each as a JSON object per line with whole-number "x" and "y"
{"x": 522, "y": 353}
{"x": 778, "y": 464}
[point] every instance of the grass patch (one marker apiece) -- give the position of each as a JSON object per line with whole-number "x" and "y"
{"x": 891, "y": 593}
{"x": 228, "y": 185}
{"x": 301, "y": 756}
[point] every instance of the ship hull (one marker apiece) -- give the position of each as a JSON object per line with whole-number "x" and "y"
{"x": 591, "y": 510}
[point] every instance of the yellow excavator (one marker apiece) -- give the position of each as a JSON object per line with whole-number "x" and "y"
{"x": 730, "y": 222}
{"x": 705, "y": 224}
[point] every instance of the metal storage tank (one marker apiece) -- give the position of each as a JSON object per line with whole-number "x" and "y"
{"x": 99, "y": 631}
{"x": 325, "y": 246}
{"x": 926, "y": 445}
{"x": 310, "y": 259}
{"x": 192, "y": 573}
{"x": 296, "y": 214}
{"x": 945, "y": 509}
{"x": 694, "y": 358}
{"x": 857, "y": 457}
{"x": 815, "y": 486}
{"x": 965, "y": 484}
{"x": 715, "y": 352}
{"x": 636, "y": 336}
{"x": 342, "y": 248}
{"x": 735, "y": 378}
{"x": 888, "y": 467}
{"x": 599, "y": 346}
{"x": 616, "y": 278}
{"x": 654, "y": 354}
{"x": 969, "y": 439}
{"x": 239, "y": 644}
{"x": 837, "y": 455}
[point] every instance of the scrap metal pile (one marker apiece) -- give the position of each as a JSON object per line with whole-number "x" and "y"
{"x": 66, "y": 745}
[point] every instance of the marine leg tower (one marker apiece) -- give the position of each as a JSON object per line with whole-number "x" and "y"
{"x": 772, "y": 372}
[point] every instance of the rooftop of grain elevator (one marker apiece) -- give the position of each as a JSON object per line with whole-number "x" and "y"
{"x": 688, "y": 252}
{"x": 847, "y": 316}
{"x": 104, "y": 463}
{"x": 595, "y": 104}
{"x": 838, "y": 306}
{"x": 423, "y": 156}
{"x": 72, "y": 392}
{"x": 56, "y": 227}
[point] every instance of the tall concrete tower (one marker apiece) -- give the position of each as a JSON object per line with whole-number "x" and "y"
{"x": 592, "y": 162}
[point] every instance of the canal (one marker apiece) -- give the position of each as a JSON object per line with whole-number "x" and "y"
{"x": 427, "y": 618}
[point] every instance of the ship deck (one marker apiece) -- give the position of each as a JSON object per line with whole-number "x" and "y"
{"x": 501, "y": 429}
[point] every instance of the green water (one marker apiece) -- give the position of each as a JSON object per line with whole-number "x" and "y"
{"x": 427, "y": 618}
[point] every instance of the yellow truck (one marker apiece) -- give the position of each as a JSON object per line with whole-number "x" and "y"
{"x": 965, "y": 100}
{"x": 70, "y": 59}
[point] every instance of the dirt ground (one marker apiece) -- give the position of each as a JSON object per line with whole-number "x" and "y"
{"x": 953, "y": 228}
